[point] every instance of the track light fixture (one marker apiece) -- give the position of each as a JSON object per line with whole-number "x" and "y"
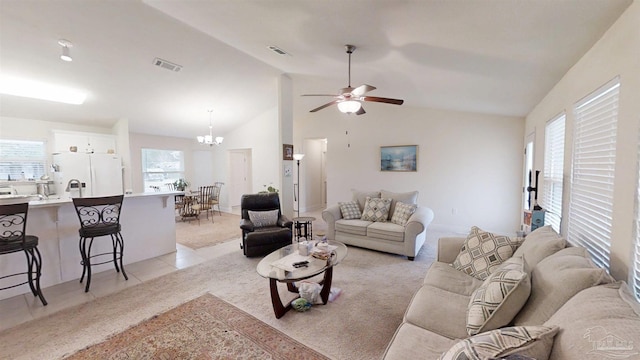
{"x": 66, "y": 52}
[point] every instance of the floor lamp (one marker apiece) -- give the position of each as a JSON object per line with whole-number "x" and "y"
{"x": 297, "y": 158}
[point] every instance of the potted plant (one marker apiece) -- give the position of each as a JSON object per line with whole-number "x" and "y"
{"x": 181, "y": 184}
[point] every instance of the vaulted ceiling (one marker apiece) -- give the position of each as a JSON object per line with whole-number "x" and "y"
{"x": 498, "y": 57}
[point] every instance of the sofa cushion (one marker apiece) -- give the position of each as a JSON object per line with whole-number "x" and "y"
{"x": 413, "y": 342}
{"x": 386, "y": 231}
{"x": 482, "y": 252}
{"x": 402, "y": 213}
{"x": 350, "y": 210}
{"x": 264, "y": 218}
{"x": 410, "y": 198}
{"x": 355, "y": 227}
{"x": 443, "y": 276}
{"x": 541, "y": 243}
{"x": 497, "y": 301}
{"x": 594, "y": 319}
{"x": 376, "y": 209}
{"x": 361, "y": 196}
{"x": 531, "y": 341}
{"x": 439, "y": 311}
{"x": 555, "y": 280}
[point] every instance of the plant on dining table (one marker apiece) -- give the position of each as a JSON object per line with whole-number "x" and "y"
{"x": 181, "y": 184}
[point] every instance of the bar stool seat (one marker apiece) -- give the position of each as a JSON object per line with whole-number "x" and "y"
{"x": 100, "y": 216}
{"x": 13, "y": 239}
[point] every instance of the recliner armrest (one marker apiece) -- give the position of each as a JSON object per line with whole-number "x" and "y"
{"x": 283, "y": 221}
{"x": 246, "y": 225}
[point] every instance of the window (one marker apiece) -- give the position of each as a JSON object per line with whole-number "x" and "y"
{"x": 593, "y": 163}
{"x": 20, "y": 158}
{"x": 160, "y": 167}
{"x": 553, "y": 172}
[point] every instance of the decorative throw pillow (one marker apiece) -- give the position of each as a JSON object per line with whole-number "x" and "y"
{"x": 361, "y": 196}
{"x": 483, "y": 252}
{"x": 263, "y": 218}
{"x": 350, "y": 210}
{"x": 497, "y": 301}
{"x": 531, "y": 341}
{"x": 402, "y": 213}
{"x": 376, "y": 209}
{"x": 410, "y": 197}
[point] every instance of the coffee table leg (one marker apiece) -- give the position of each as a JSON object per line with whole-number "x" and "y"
{"x": 278, "y": 309}
{"x": 326, "y": 286}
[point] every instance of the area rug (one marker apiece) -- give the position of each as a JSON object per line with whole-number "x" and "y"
{"x": 204, "y": 328}
{"x": 197, "y": 234}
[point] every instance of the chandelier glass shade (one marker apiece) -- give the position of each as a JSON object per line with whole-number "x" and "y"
{"x": 349, "y": 106}
{"x": 209, "y": 139}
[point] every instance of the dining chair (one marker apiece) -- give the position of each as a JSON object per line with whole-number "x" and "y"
{"x": 214, "y": 200}
{"x": 203, "y": 196}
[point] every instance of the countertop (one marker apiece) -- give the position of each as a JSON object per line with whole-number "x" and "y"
{"x": 59, "y": 202}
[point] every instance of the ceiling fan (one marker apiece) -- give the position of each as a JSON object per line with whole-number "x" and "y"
{"x": 350, "y": 99}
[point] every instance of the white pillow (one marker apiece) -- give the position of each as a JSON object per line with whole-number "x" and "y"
{"x": 350, "y": 210}
{"x": 263, "y": 218}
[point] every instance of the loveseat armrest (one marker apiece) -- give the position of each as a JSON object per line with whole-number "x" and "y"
{"x": 418, "y": 221}
{"x": 449, "y": 248}
{"x": 330, "y": 215}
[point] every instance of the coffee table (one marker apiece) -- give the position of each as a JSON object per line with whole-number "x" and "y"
{"x": 315, "y": 267}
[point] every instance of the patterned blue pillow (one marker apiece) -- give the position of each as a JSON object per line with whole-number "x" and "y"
{"x": 350, "y": 210}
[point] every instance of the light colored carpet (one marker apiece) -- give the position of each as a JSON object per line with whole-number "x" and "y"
{"x": 377, "y": 288}
{"x": 206, "y": 327}
{"x": 198, "y": 234}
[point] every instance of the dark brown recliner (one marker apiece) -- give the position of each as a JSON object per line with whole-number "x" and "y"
{"x": 262, "y": 240}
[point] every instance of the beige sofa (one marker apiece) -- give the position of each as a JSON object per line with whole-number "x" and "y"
{"x": 574, "y": 309}
{"x": 384, "y": 235}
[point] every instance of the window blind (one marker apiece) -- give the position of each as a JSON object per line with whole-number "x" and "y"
{"x": 553, "y": 172}
{"x": 593, "y": 165}
{"x": 22, "y": 158}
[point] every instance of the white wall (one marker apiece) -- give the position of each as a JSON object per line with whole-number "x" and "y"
{"x": 469, "y": 165}
{"x": 616, "y": 53}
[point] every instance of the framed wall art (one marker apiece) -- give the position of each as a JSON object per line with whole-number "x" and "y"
{"x": 399, "y": 158}
{"x": 287, "y": 152}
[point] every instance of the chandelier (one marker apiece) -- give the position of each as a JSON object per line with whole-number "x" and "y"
{"x": 209, "y": 139}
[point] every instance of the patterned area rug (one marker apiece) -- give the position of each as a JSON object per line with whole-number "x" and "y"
{"x": 204, "y": 328}
{"x": 197, "y": 234}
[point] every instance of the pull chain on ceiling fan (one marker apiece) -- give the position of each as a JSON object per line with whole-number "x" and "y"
{"x": 350, "y": 99}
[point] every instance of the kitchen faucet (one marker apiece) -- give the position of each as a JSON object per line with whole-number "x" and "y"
{"x": 74, "y": 181}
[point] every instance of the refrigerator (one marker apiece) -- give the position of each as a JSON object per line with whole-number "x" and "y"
{"x": 100, "y": 174}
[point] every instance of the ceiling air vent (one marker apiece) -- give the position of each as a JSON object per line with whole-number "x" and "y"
{"x": 277, "y": 50}
{"x": 167, "y": 65}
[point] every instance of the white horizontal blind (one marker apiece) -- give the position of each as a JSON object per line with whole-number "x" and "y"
{"x": 635, "y": 272}
{"x": 22, "y": 157}
{"x": 553, "y": 172}
{"x": 593, "y": 165}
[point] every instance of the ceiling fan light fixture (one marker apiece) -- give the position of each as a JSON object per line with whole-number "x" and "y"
{"x": 349, "y": 106}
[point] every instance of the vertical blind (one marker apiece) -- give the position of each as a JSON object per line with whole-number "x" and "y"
{"x": 553, "y": 172}
{"x": 593, "y": 165}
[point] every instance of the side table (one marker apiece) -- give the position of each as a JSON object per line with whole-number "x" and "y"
{"x": 303, "y": 227}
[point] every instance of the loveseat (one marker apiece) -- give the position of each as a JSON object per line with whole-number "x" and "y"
{"x": 546, "y": 301}
{"x": 380, "y": 220}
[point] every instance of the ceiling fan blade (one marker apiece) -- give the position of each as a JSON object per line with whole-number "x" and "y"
{"x": 324, "y": 106}
{"x": 334, "y": 95}
{"x": 361, "y": 111}
{"x": 362, "y": 89}
{"x": 383, "y": 100}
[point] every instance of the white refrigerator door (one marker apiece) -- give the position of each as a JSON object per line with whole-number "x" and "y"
{"x": 72, "y": 166}
{"x": 106, "y": 174}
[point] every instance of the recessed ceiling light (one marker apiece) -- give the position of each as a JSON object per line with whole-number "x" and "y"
{"x": 38, "y": 90}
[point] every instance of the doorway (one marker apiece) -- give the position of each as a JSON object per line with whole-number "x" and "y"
{"x": 239, "y": 176}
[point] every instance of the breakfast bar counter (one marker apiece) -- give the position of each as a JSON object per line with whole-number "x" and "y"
{"x": 148, "y": 229}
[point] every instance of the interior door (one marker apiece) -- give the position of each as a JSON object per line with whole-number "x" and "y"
{"x": 239, "y": 175}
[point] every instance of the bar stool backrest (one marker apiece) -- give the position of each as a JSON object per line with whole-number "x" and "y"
{"x": 98, "y": 211}
{"x": 13, "y": 224}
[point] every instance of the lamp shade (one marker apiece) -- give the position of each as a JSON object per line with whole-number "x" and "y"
{"x": 349, "y": 106}
{"x": 298, "y": 156}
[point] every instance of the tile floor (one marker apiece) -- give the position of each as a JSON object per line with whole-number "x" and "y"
{"x": 26, "y": 307}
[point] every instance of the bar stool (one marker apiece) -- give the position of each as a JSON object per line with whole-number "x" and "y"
{"x": 99, "y": 216}
{"x": 13, "y": 238}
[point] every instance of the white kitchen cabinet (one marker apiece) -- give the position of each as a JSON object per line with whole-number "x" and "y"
{"x": 85, "y": 142}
